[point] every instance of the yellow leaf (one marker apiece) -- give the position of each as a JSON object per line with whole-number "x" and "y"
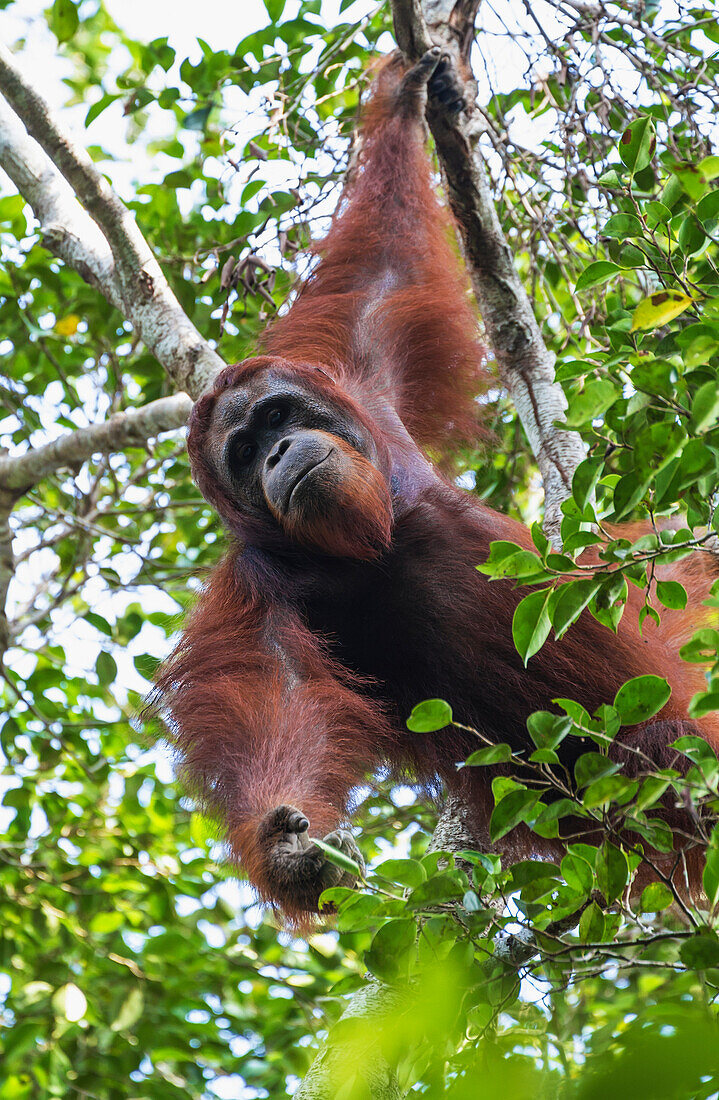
{"x": 659, "y": 308}
{"x": 67, "y": 326}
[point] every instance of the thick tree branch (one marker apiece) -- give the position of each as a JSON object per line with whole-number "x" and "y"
{"x": 336, "y": 1062}
{"x": 18, "y": 473}
{"x": 379, "y": 1001}
{"x": 128, "y": 246}
{"x": 67, "y": 230}
{"x": 134, "y": 282}
{"x": 525, "y": 363}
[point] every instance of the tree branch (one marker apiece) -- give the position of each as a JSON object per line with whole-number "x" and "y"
{"x": 338, "y": 1060}
{"x": 129, "y": 248}
{"x": 525, "y": 363}
{"x": 453, "y": 833}
{"x": 18, "y": 473}
{"x": 7, "y": 570}
{"x": 126, "y": 272}
{"x": 67, "y": 230}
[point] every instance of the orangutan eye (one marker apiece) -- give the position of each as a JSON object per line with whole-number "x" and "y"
{"x": 275, "y": 416}
{"x": 245, "y": 454}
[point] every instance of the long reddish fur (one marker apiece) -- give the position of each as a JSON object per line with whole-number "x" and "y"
{"x": 258, "y": 711}
{"x": 421, "y": 326}
{"x": 256, "y": 726}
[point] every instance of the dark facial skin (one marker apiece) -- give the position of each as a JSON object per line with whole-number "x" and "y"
{"x": 273, "y": 442}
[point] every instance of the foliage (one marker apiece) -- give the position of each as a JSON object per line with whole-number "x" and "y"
{"x": 132, "y": 964}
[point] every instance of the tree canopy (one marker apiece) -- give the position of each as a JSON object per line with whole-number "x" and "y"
{"x": 133, "y": 964}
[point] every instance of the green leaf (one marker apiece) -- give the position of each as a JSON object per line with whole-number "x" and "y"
{"x": 98, "y": 622}
{"x": 692, "y": 180}
{"x": 544, "y": 756}
{"x": 355, "y": 912}
{"x": 656, "y": 833}
{"x": 703, "y": 647}
{"x": 146, "y": 664}
{"x": 610, "y": 178}
{"x": 522, "y": 565}
{"x": 585, "y": 479}
{"x": 97, "y": 108}
{"x": 534, "y": 871}
{"x": 510, "y": 811}
{"x": 651, "y": 791}
{"x": 571, "y": 600}
{"x": 103, "y": 923}
{"x": 591, "y": 924}
{"x": 539, "y": 538}
{"x": 700, "y": 952}
{"x": 641, "y": 698}
{"x": 656, "y": 214}
{"x": 710, "y": 876}
{"x": 388, "y": 956}
{"x": 105, "y": 668}
{"x": 591, "y": 766}
{"x": 655, "y": 897}
{"x": 655, "y": 446}
{"x": 707, "y": 211}
{"x": 591, "y": 402}
{"x": 430, "y": 716}
{"x": 471, "y": 902}
{"x": 704, "y": 702}
{"x": 705, "y": 407}
{"x": 531, "y": 623}
{"x": 672, "y": 192}
{"x": 407, "y": 872}
{"x": 608, "y": 789}
{"x": 612, "y": 871}
{"x": 696, "y": 748}
{"x": 637, "y": 144}
{"x": 628, "y": 491}
{"x": 440, "y": 888}
{"x": 130, "y": 1012}
{"x": 197, "y": 120}
{"x": 691, "y": 235}
{"x": 275, "y": 9}
{"x": 577, "y": 873}
{"x": 659, "y": 308}
{"x": 548, "y": 730}
{"x": 609, "y": 601}
{"x": 699, "y": 343}
{"x": 493, "y": 754}
{"x": 623, "y": 226}
{"x": 596, "y": 274}
{"x": 334, "y": 855}
{"x": 63, "y": 19}
{"x": 672, "y": 594}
